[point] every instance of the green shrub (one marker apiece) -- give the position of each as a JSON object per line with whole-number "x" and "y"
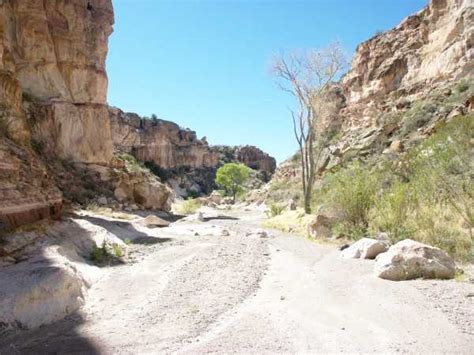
{"x": 350, "y": 194}
{"x": 418, "y": 116}
{"x": 391, "y": 211}
{"x": 99, "y": 255}
{"x": 462, "y": 86}
{"x": 117, "y": 250}
{"x": 275, "y": 209}
{"x": 434, "y": 202}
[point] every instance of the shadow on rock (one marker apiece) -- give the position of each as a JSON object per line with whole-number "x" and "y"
{"x": 123, "y": 230}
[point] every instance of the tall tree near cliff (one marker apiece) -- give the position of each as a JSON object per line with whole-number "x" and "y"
{"x": 308, "y": 75}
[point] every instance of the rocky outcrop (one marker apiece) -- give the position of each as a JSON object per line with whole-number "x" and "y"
{"x": 409, "y": 260}
{"x": 186, "y": 163}
{"x": 255, "y": 159}
{"x": 251, "y": 156}
{"x": 27, "y": 191}
{"x": 320, "y": 226}
{"x": 53, "y": 92}
{"x": 54, "y": 55}
{"x": 426, "y": 50}
{"x": 162, "y": 142}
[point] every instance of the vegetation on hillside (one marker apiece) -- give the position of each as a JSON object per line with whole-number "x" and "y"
{"x": 427, "y": 195}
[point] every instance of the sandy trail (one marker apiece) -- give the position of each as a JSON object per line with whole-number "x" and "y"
{"x": 204, "y": 293}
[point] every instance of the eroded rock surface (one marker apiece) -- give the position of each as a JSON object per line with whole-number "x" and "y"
{"x": 53, "y": 95}
{"x": 409, "y": 260}
{"x": 426, "y": 50}
{"x": 162, "y": 142}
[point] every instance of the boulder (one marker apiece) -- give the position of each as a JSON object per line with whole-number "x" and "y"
{"x": 291, "y": 205}
{"x": 152, "y": 221}
{"x": 215, "y": 197}
{"x": 409, "y": 260}
{"x": 396, "y": 146}
{"x": 365, "y": 248}
{"x": 320, "y": 226}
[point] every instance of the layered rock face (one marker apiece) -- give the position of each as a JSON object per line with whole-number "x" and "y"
{"x": 427, "y": 50}
{"x": 256, "y": 159}
{"x": 162, "y": 142}
{"x": 53, "y": 90}
{"x": 55, "y": 52}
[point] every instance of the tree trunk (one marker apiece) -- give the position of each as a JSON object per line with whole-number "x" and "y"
{"x": 307, "y": 198}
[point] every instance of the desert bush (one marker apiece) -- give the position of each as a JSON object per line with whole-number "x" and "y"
{"x": 462, "y": 86}
{"x": 350, "y": 194}
{"x": 117, "y": 250}
{"x": 106, "y": 254}
{"x": 275, "y": 209}
{"x": 284, "y": 190}
{"x": 99, "y": 255}
{"x": 188, "y": 206}
{"x": 391, "y": 211}
{"x": 418, "y": 116}
{"x": 434, "y": 203}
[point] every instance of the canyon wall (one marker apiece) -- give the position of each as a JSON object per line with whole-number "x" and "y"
{"x": 251, "y": 156}
{"x": 401, "y": 86}
{"x": 430, "y": 49}
{"x": 186, "y": 163}
{"x": 162, "y": 142}
{"x": 53, "y": 92}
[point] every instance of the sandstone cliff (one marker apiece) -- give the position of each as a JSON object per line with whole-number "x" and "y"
{"x": 53, "y": 89}
{"x": 162, "y": 142}
{"x": 53, "y": 55}
{"x": 430, "y": 49}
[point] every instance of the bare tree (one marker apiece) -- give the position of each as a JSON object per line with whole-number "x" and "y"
{"x": 308, "y": 75}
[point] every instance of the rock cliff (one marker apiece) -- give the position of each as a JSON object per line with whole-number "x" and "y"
{"x": 53, "y": 89}
{"x": 249, "y": 155}
{"x": 427, "y": 50}
{"x": 162, "y": 142}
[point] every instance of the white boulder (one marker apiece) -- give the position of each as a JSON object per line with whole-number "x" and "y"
{"x": 409, "y": 260}
{"x": 365, "y": 248}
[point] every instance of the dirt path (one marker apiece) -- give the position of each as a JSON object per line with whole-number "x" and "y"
{"x": 211, "y": 293}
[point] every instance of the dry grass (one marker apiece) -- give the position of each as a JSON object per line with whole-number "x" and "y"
{"x": 290, "y": 221}
{"x": 108, "y": 212}
{"x": 187, "y": 207}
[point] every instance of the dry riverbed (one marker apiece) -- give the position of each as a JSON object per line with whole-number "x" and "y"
{"x": 194, "y": 288}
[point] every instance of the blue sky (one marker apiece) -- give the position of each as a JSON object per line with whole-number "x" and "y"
{"x": 204, "y": 64}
